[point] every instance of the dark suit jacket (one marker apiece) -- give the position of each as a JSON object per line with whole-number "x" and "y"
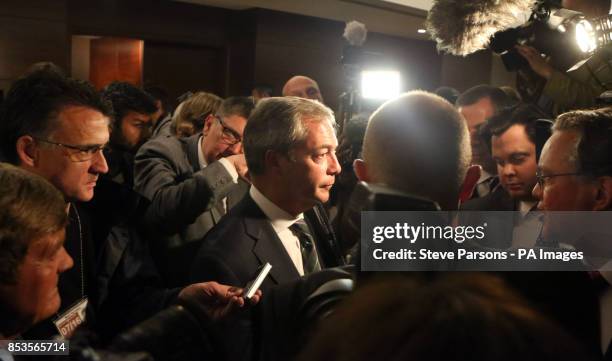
{"x": 186, "y": 201}
{"x": 499, "y": 231}
{"x": 243, "y": 241}
{"x": 232, "y": 254}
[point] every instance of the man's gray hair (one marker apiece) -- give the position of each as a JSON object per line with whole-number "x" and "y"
{"x": 278, "y": 124}
{"x": 592, "y": 152}
{"x": 418, "y": 143}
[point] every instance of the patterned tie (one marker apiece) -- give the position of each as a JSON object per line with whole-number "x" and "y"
{"x": 310, "y": 259}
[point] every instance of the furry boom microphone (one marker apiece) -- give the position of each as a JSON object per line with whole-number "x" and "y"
{"x": 462, "y": 27}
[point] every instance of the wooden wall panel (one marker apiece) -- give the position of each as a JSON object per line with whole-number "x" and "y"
{"x": 31, "y": 31}
{"x": 464, "y": 73}
{"x": 290, "y": 44}
{"x": 179, "y": 68}
{"x": 154, "y": 20}
{"x": 115, "y": 59}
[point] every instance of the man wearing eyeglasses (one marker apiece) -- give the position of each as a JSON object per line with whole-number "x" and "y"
{"x": 57, "y": 127}
{"x": 191, "y": 183}
{"x": 575, "y": 175}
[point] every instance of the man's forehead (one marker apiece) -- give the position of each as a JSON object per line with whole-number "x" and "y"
{"x": 236, "y": 122}
{"x": 139, "y": 116}
{"x": 301, "y": 83}
{"x": 320, "y": 133}
{"x": 558, "y": 150}
{"x": 83, "y": 125}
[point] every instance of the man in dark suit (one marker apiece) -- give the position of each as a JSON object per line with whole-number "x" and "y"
{"x": 477, "y": 105}
{"x": 575, "y": 174}
{"x": 290, "y": 151}
{"x": 191, "y": 184}
{"x": 514, "y": 142}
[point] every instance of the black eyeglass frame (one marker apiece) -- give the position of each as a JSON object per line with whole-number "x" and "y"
{"x": 229, "y": 132}
{"x": 90, "y": 150}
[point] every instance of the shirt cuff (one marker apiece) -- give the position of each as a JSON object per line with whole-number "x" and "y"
{"x": 230, "y": 169}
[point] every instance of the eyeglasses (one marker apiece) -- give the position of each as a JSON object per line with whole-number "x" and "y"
{"x": 230, "y": 136}
{"x": 77, "y": 153}
{"x": 541, "y": 178}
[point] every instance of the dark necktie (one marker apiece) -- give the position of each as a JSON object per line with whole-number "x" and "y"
{"x": 310, "y": 259}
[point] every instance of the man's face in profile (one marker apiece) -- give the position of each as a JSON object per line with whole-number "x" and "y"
{"x": 222, "y": 136}
{"x": 71, "y": 157}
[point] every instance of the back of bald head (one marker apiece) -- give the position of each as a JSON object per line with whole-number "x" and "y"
{"x": 418, "y": 143}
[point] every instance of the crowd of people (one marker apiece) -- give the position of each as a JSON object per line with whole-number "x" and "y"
{"x": 115, "y": 208}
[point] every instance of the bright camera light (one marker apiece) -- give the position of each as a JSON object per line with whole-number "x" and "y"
{"x": 585, "y": 36}
{"x": 380, "y": 84}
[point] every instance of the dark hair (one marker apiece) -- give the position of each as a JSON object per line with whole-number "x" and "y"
{"x": 127, "y": 98}
{"x": 34, "y": 102}
{"x": 474, "y": 94}
{"x": 30, "y": 208}
{"x": 264, "y": 88}
{"x": 448, "y": 93}
{"x": 241, "y": 106}
{"x": 594, "y": 149}
{"x": 464, "y": 316}
{"x": 158, "y": 93}
{"x": 526, "y": 115}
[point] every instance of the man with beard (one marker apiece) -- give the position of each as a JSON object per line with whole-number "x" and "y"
{"x": 191, "y": 183}
{"x": 133, "y": 118}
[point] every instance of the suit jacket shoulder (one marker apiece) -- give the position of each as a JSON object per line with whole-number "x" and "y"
{"x": 168, "y": 173}
{"x": 242, "y": 242}
{"x": 498, "y": 200}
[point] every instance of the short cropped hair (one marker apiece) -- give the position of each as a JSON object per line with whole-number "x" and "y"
{"x": 278, "y": 124}
{"x": 498, "y": 97}
{"x": 34, "y": 102}
{"x": 593, "y": 152}
{"x": 189, "y": 118}
{"x": 240, "y": 106}
{"x": 30, "y": 208}
{"x": 418, "y": 143}
{"x": 127, "y": 98}
{"x": 529, "y": 116}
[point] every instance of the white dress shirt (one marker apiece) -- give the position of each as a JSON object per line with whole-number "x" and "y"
{"x": 281, "y": 221}
{"x": 226, "y": 163}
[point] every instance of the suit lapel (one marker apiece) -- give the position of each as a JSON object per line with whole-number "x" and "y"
{"x": 268, "y": 247}
{"x": 191, "y": 144}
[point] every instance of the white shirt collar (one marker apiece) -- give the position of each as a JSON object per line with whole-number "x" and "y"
{"x": 525, "y": 207}
{"x": 280, "y": 219}
{"x": 201, "y": 158}
{"x": 484, "y": 176}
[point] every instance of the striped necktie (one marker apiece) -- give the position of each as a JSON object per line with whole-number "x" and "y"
{"x": 310, "y": 259}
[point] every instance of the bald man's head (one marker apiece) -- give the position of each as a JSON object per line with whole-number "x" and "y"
{"x": 417, "y": 143}
{"x": 302, "y": 87}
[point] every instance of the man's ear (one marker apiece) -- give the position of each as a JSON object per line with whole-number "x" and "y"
{"x": 27, "y": 153}
{"x": 273, "y": 161}
{"x": 208, "y": 122}
{"x": 361, "y": 170}
{"x": 604, "y": 194}
{"x": 469, "y": 183}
